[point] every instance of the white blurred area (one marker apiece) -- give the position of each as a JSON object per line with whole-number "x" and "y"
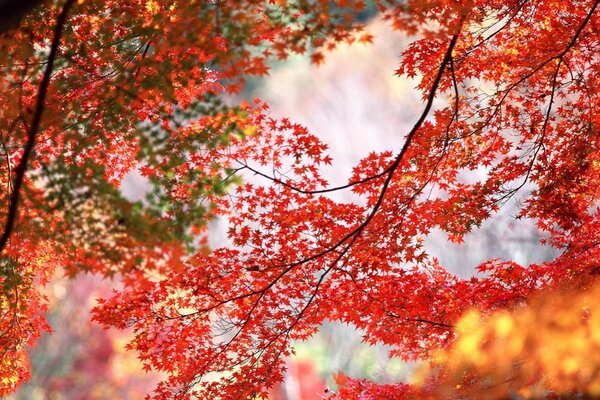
{"x": 353, "y": 101}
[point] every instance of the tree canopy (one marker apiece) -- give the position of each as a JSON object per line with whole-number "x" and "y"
{"x": 93, "y": 90}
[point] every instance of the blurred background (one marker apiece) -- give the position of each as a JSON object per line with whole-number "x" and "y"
{"x": 356, "y": 104}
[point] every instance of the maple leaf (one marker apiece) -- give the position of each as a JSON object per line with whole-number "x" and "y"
{"x": 317, "y": 58}
{"x": 340, "y": 379}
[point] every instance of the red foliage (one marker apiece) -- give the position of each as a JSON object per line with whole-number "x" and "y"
{"x": 133, "y": 85}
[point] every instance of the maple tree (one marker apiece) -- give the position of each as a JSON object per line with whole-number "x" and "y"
{"x": 94, "y": 90}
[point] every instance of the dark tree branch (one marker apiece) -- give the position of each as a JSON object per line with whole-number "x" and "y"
{"x": 33, "y": 127}
{"x": 316, "y": 191}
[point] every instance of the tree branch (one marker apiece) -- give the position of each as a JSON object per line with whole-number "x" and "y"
{"x": 34, "y": 127}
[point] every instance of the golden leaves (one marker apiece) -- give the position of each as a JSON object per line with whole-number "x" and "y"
{"x": 553, "y": 345}
{"x": 152, "y": 7}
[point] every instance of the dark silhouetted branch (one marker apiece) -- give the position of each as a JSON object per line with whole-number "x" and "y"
{"x": 33, "y": 127}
